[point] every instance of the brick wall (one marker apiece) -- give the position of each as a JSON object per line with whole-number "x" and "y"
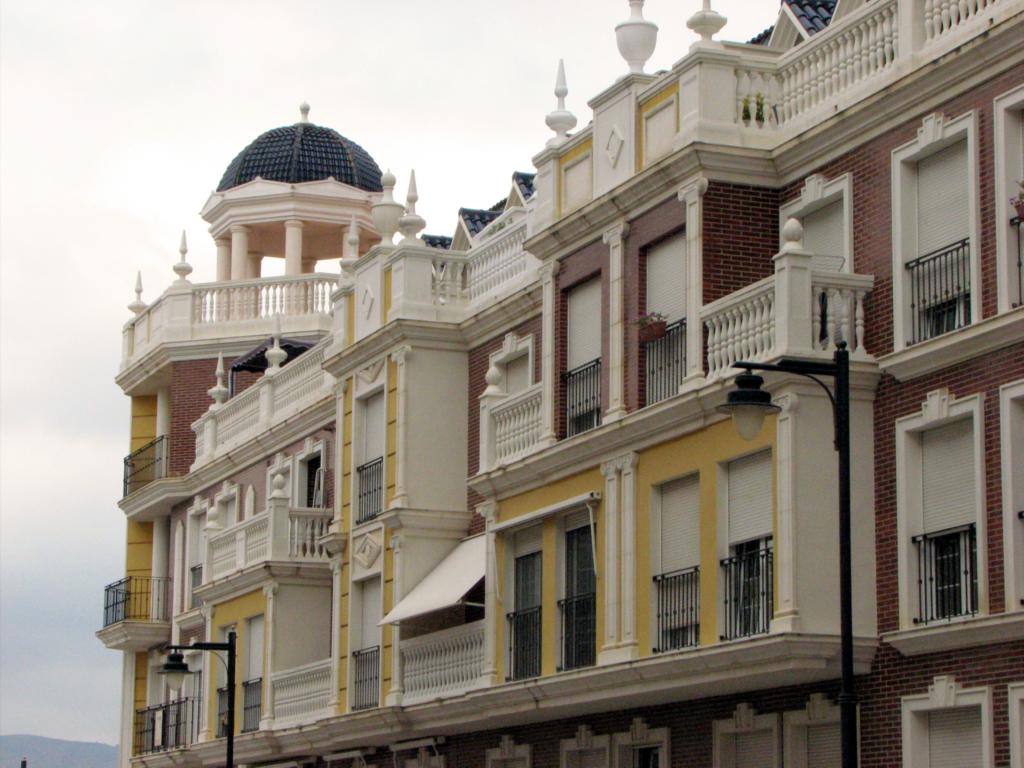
{"x": 190, "y": 379}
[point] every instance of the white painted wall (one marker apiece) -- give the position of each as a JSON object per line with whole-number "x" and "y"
{"x": 302, "y": 625}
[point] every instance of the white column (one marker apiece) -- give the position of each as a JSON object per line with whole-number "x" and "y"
{"x": 209, "y": 674}
{"x": 394, "y": 697}
{"x": 787, "y": 614}
{"x": 255, "y": 265}
{"x": 163, "y": 411}
{"x": 627, "y": 553}
{"x": 267, "y": 714}
{"x": 159, "y": 594}
{"x": 334, "y": 701}
{"x": 223, "y": 259}
{"x": 401, "y": 454}
{"x": 610, "y": 571}
{"x": 293, "y": 247}
{"x": 124, "y": 751}
{"x": 793, "y": 295}
{"x": 492, "y": 608}
{"x": 614, "y": 238}
{"x": 239, "y": 252}
{"x": 691, "y": 196}
{"x": 546, "y": 272}
{"x": 178, "y": 571}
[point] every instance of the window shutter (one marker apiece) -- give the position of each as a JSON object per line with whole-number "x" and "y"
{"x": 942, "y": 204}
{"x": 592, "y": 758}
{"x": 584, "y": 323}
{"x": 529, "y": 540}
{"x": 666, "y": 278}
{"x": 948, "y": 476}
{"x": 370, "y": 613}
{"x": 373, "y": 427}
{"x": 577, "y": 519}
{"x": 254, "y": 652}
{"x": 823, "y": 235}
{"x": 824, "y": 748}
{"x": 755, "y": 750}
{"x": 680, "y": 524}
{"x": 198, "y": 553}
{"x": 954, "y": 738}
{"x": 750, "y": 497}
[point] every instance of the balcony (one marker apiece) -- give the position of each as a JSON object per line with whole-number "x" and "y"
{"x": 174, "y": 725}
{"x": 940, "y": 291}
{"x": 444, "y": 663}
{"x": 510, "y": 426}
{"x": 947, "y": 575}
{"x": 524, "y": 643}
{"x": 677, "y": 612}
{"x": 366, "y": 678}
{"x": 300, "y": 695}
{"x": 665, "y": 363}
{"x": 143, "y": 466}
{"x": 578, "y": 619}
{"x": 136, "y": 613}
{"x": 582, "y": 398}
{"x": 748, "y": 589}
{"x": 252, "y": 704}
{"x": 370, "y": 485}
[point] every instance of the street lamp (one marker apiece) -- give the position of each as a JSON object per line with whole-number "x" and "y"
{"x": 175, "y": 669}
{"x": 748, "y": 404}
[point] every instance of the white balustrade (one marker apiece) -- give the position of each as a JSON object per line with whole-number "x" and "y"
{"x": 443, "y": 663}
{"x": 301, "y": 693}
{"x": 756, "y": 96}
{"x": 299, "y": 382}
{"x": 516, "y": 424}
{"x": 222, "y": 551}
{"x": 235, "y": 418}
{"x": 448, "y": 279}
{"x": 305, "y": 527}
{"x": 499, "y": 261}
{"x": 838, "y": 310}
{"x": 262, "y": 298}
{"x": 240, "y": 546}
{"x": 740, "y": 326}
{"x": 943, "y": 16}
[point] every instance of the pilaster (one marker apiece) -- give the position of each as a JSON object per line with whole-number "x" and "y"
{"x": 267, "y": 719}
{"x": 489, "y": 512}
{"x": 293, "y": 247}
{"x": 334, "y": 701}
{"x": 397, "y": 689}
{"x": 546, "y": 273}
{"x": 614, "y": 238}
{"x": 223, "y": 259}
{"x": 239, "y": 252}
{"x": 692, "y": 196}
{"x": 399, "y": 356}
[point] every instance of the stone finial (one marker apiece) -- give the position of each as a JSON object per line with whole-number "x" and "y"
{"x": 493, "y": 378}
{"x": 182, "y": 268}
{"x": 218, "y": 392}
{"x": 280, "y": 491}
{"x": 561, "y": 121}
{"x": 388, "y": 211}
{"x": 636, "y": 37}
{"x": 304, "y": 112}
{"x": 792, "y": 235}
{"x": 352, "y": 240}
{"x": 706, "y": 23}
{"x": 411, "y": 224}
{"x": 138, "y": 306}
{"x": 275, "y": 355}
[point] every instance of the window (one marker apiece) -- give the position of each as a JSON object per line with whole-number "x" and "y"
{"x": 747, "y": 740}
{"x": 948, "y": 727}
{"x": 366, "y": 645}
{"x": 824, "y": 210}
{"x": 585, "y": 750}
{"x": 524, "y": 621}
{"x": 197, "y": 555}
{"x": 583, "y": 358}
{"x": 640, "y": 746}
{"x": 939, "y": 502}
{"x": 1011, "y": 409}
{"x": 665, "y": 355}
{"x": 676, "y": 536}
{"x": 370, "y": 472}
{"x": 577, "y": 610}
{"x": 811, "y": 736}
{"x": 1015, "y": 714}
{"x": 1008, "y": 117}
{"x": 252, "y": 681}
{"x": 311, "y": 481}
{"x": 935, "y": 199}
{"x": 748, "y": 568}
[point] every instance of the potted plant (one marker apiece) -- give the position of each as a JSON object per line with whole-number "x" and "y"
{"x": 652, "y": 326}
{"x": 1018, "y": 201}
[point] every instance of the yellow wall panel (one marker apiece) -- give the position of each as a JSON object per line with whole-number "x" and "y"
{"x": 143, "y": 424}
{"x": 141, "y": 679}
{"x": 233, "y": 612}
{"x": 350, "y": 319}
{"x": 649, "y": 105}
{"x": 138, "y": 549}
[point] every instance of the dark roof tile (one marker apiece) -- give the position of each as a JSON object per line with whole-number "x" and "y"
{"x": 437, "y": 241}
{"x": 476, "y": 219}
{"x": 814, "y": 15}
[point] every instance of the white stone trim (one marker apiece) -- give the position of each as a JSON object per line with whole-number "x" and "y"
{"x": 548, "y": 430}
{"x": 938, "y": 410}
{"x": 618, "y": 526}
{"x": 743, "y": 720}
{"x": 816, "y": 193}
{"x": 1007, "y": 145}
{"x": 692, "y": 196}
{"x": 583, "y": 741}
{"x": 640, "y": 735}
{"x": 819, "y": 711}
{"x": 935, "y": 134}
{"x": 1011, "y": 435}
{"x": 943, "y": 693}
{"x": 1015, "y": 700}
{"x": 508, "y": 754}
{"x": 615, "y": 238}
{"x": 281, "y": 464}
{"x": 512, "y": 347}
{"x": 310, "y": 448}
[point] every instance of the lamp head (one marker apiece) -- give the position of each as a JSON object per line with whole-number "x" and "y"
{"x": 174, "y": 670}
{"x": 748, "y": 404}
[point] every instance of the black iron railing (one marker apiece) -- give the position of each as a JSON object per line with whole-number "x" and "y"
{"x": 1018, "y": 224}
{"x": 252, "y": 704}
{"x": 678, "y": 609}
{"x": 370, "y": 485}
{"x": 665, "y": 363}
{"x": 947, "y": 574}
{"x": 579, "y": 628}
{"x": 145, "y": 465}
{"x": 137, "y": 598}
{"x": 582, "y": 398}
{"x": 940, "y": 291}
{"x": 173, "y": 725}
{"x": 749, "y": 600}
{"x": 196, "y": 578}
{"x": 222, "y": 712}
{"x": 524, "y": 643}
{"x": 366, "y": 678}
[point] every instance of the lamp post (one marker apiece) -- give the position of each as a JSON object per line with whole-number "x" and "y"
{"x": 748, "y": 404}
{"x": 175, "y": 669}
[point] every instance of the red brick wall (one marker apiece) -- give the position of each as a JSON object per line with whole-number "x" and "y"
{"x": 190, "y": 379}
{"x": 741, "y": 235}
{"x": 479, "y": 360}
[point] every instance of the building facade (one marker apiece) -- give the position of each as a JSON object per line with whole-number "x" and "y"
{"x": 470, "y": 501}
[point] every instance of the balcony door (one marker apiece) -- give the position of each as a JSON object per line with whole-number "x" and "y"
{"x": 579, "y": 604}
{"x": 583, "y": 358}
{"x": 749, "y": 566}
{"x": 525, "y": 620}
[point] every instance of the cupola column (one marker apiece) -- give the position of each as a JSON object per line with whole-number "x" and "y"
{"x": 223, "y": 259}
{"x": 293, "y": 247}
{"x": 239, "y": 252}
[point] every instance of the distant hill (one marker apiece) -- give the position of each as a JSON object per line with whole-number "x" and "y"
{"x": 55, "y": 753}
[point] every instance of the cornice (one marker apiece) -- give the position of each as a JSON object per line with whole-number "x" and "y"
{"x": 135, "y": 635}
{"x": 432, "y": 523}
{"x": 419, "y": 334}
{"x": 271, "y": 571}
{"x": 497, "y": 318}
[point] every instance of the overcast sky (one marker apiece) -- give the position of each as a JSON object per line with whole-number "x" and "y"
{"x": 117, "y": 119}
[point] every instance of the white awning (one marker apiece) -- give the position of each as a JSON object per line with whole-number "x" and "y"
{"x": 447, "y": 584}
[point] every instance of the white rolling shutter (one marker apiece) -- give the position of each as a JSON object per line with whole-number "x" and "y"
{"x": 954, "y": 738}
{"x": 948, "y": 476}
{"x": 373, "y": 427}
{"x": 755, "y": 750}
{"x": 576, "y": 520}
{"x": 584, "y": 324}
{"x": 942, "y": 201}
{"x": 750, "y": 497}
{"x": 592, "y": 758}
{"x": 666, "y": 278}
{"x": 680, "y": 524}
{"x": 824, "y": 748}
{"x": 529, "y": 540}
{"x": 370, "y": 613}
{"x": 254, "y": 650}
{"x": 823, "y": 235}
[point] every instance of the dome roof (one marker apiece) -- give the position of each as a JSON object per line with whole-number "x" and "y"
{"x": 303, "y": 152}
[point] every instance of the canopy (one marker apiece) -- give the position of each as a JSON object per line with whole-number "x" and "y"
{"x": 447, "y": 584}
